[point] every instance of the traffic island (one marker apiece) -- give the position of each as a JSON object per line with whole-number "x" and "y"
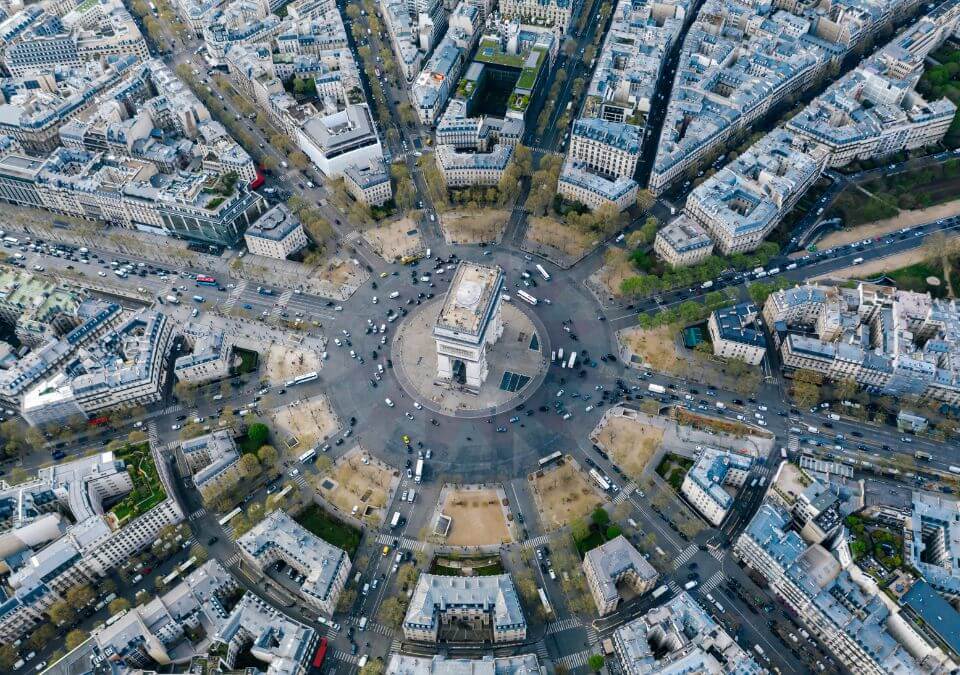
{"x": 360, "y": 485}
{"x": 473, "y": 515}
{"x": 515, "y": 364}
{"x": 563, "y": 494}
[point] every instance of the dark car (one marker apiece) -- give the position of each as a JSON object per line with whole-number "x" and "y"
{"x": 212, "y": 540}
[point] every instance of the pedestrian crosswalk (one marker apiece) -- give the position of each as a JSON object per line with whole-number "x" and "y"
{"x": 718, "y": 553}
{"x": 625, "y": 492}
{"x": 673, "y": 586}
{"x": 380, "y": 629}
{"x": 592, "y": 636}
{"x": 198, "y": 514}
{"x": 395, "y": 646}
{"x": 577, "y": 660}
{"x": 232, "y": 560}
{"x": 228, "y": 530}
{"x": 234, "y": 296}
{"x": 344, "y": 656}
{"x": 712, "y": 582}
{"x": 541, "y": 649}
{"x": 793, "y": 443}
{"x": 684, "y": 556}
{"x": 537, "y": 541}
{"x": 562, "y": 625}
{"x": 281, "y": 303}
{"x": 152, "y": 434}
{"x": 300, "y": 480}
{"x": 409, "y": 544}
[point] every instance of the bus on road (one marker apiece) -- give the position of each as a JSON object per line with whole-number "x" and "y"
{"x": 599, "y": 480}
{"x": 230, "y": 516}
{"x": 205, "y": 280}
{"x": 526, "y": 297}
{"x": 308, "y": 456}
{"x": 552, "y": 457}
{"x": 548, "y": 610}
{"x": 925, "y": 456}
{"x": 320, "y": 655}
{"x": 543, "y": 273}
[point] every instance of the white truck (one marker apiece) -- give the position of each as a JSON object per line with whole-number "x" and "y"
{"x": 418, "y": 474}
{"x": 706, "y": 284}
{"x": 395, "y": 520}
{"x": 657, "y": 388}
{"x": 173, "y": 300}
{"x": 411, "y": 495}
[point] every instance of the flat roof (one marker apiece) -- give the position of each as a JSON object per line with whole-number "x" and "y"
{"x": 470, "y": 298}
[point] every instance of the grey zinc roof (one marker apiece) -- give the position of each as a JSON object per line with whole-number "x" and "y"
{"x": 435, "y": 594}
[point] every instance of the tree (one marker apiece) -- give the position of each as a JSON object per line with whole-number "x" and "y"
{"x": 34, "y": 438}
{"x": 596, "y": 662}
{"x": 392, "y": 611}
{"x": 136, "y": 437}
{"x": 80, "y": 595}
{"x": 107, "y": 586}
{"x": 374, "y": 667}
{"x": 118, "y": 605}
{"x": 267, "y": 454}
{"x": 249, "y": 466}
{"x": 8, "y": 656}
{"x": 347, "y": 597}
{"x": 258, "y": 433}
{"x": 62, "y": 613}
{"x": 185, "y": 392}
{"x": 75, "y": 638}
{"x": 41, "y": 637}
{"x": 600, "y": 517}
{"x": 645, "y": 200}
{"x": 579, "y": 529}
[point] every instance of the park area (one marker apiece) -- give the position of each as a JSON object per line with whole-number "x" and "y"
{"x": 284, "y": 362}
{"x": 910, "y": 270}
{"x": 673, "y": 468}
{"x": 316, "y": 521}
{"x": 630, "y": 442}
{"x": 303, "y": 423}
{"x": 473, "y": 227}
{"x": 555, "y": 240}
{"x": 394, "y": 240}
{"x": 359, "y": 480}
{"x": 477, "y": 518}
{"x": 654, "y": 347}
{"x": 147, "y": 491}
{"x": 617, "y": 267}
{"x": 563, "y": 494}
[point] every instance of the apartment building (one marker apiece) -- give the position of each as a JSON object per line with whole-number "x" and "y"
{"x": 124, "y": 367}
{"x": 334, "y": 142}
{"x": 404, "y": 36}
{"x": 279, "y": 537}
{"x": 468, "y": 169}
{"x": 522, "y": 664}
{"x": 874, "y": 110}
{"x": 735, "y": 333}
{"x": 158, "y": 633}
{"x": 278, "y": 234}
{"x": 544, "y": 13}
{"x": 840, "y": 605}
{"x": 889, "y": 341}
{"x": 90, "y": 31}
{"x": 369, "y": 183}
{"x": 578, "y": 184}
{"x": 100, "y": 540}
{"x": 932, "y": 541}
{"x": 284, "y": 646}
{"x": 489, "y": 605}
{"x": 706, "y": 484}
{"x": 616, "y": 562}
{"x": 214, "y": 461}
{"x": 682, "y": 242}
{"x": 680, "y": 637}
{"x": 36, "y": 307}
{"x": 433, "y": 86}
{"x": 743, "y": 202}
{"x": 479, "y": 133}
{"x": 210, "y": 357}
{"x": 607, "y": 148}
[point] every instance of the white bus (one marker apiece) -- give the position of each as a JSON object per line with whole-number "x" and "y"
{"x": 660, "y": 591}
{"x": 552, "y": 457}
{"x": 526, "y": 297}
{"x": 306, "y": 377}
{"x": 599, "y": 480}
{"x": 308, "y": 456}
{"x": 543, "y": 273}
{"x": 573, "y": 360}
{"x": 187, "y": 565}
{"x": 548, "y": 610}
{"x": 230, "y": 516}
{"x": 167, "y": 580}
{"x": 954, "y": 469}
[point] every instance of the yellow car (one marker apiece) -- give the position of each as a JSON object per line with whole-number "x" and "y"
{"x": 383, "y": 275}
{"x": 386, "y": 550}
{"x": 406, "y": 439}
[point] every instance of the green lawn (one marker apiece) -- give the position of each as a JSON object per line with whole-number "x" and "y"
{"x": 249, "y": 361}
{"x": 914, "y": 278}
{"x": 341, "y": 535}
{"x": 147, "y": 490}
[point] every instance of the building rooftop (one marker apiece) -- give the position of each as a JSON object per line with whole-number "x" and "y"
{"x": 710, "y": 470}
{"x": 524, "y": 664}
{"x": 737, "y": 324}
{"x": 682, "y": 234}
{"x": 469, "y": 301}
{"x": 933, "y": 540}
{"x": 321, "y": 559}
{"x": 613, "y": 559}
{"x": 275, "y": 225}
{"x": 576, "y": 174}
{"x": 436, "y": 594}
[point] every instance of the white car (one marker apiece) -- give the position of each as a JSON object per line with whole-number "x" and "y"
{"x": 409, "y": 416}
{"x": 416, "y": 404}
{"x": 176, "y": 427}
{"x": 101, "y": 273}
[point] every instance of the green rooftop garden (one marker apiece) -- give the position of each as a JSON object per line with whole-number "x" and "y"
{"x": 519, "y": 102}
{"x": 147, "y": 490}
{"x": 466, "y": 88}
